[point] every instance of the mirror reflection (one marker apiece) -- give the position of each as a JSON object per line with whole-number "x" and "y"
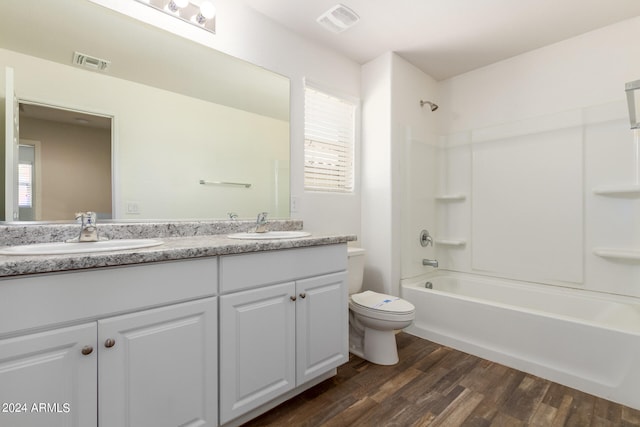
{"x": 177, "y": 116}
{"x": 64, "y": 161}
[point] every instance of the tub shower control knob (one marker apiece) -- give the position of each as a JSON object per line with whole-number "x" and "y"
{"x": 425, "y": 239}
{"x": 110, "y": 343}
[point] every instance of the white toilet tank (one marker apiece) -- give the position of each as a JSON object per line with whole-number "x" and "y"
{"x": 355, "y": 269}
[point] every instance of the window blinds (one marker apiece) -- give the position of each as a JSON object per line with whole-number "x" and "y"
{"x": 329, "y": 141}
{"x": 25, "y": 186}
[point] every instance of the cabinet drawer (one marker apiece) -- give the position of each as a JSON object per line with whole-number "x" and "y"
{"x": 51, "y": 299}
{"x": 245, "y": 271}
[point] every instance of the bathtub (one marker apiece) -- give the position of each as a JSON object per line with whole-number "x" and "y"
{"x": 583, "y": 340}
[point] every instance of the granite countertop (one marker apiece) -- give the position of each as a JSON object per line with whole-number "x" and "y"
{"x": 173, "y": 248}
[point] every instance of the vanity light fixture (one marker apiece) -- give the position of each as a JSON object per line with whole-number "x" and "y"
{"x": 174, "y": 6}
{"x": 201, "y": 13}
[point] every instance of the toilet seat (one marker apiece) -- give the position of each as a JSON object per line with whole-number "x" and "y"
{"x": 381, "y": 306}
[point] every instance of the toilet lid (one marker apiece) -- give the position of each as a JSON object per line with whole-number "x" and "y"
{"x": 382, "y": 302}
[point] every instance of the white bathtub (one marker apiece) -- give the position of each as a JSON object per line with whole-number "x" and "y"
{"x": 585, "y": 341}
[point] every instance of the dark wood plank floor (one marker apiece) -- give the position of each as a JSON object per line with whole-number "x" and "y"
{"x": 438, "y": 386}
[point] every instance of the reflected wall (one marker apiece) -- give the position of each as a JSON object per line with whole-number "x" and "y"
{"x": 164, "y": 143}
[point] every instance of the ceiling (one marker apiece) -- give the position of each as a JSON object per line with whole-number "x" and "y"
{"x": 445, "y": 38}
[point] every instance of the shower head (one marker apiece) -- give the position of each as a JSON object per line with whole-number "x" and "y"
{"x": 431, "y": 105}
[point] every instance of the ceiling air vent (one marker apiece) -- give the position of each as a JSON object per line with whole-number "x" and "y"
{"x": 338, "y": 18}
{"x": 89, "y": 61}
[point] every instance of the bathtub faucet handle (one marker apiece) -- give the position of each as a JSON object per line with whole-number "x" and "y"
{"x": 425, "y": 238}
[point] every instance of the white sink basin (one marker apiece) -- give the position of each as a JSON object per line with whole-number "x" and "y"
{"x": 79, "y": 247}
{"x": 270, "y": 235}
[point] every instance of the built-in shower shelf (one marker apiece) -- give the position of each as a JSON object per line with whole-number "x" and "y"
{"x": 451, "y": 197}
{"x": 450, "y": 242}
{"x": 621, "y": 190}
{"x": 620, "y": 254}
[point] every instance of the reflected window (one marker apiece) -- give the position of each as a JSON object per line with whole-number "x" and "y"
{"x": 25, "y": 185}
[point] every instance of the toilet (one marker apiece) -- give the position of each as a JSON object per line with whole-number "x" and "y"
{"x": 374, "y": 318}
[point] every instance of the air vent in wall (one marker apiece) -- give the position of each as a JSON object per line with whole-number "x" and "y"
{"x": 338, "y": 18}
{"x": 91, "y": 62}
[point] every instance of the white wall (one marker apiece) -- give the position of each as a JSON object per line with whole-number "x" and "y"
{"x": 244, "y": 33}
{"x": 529, "y": 138}
{"x": 377, "y": 217}
{"x": 398, "y": 143}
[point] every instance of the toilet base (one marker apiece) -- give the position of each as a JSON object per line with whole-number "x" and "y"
{"x": 380, "y": 346}
{"x": 376, "y": 346}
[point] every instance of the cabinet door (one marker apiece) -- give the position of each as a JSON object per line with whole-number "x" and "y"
{"x": 160, "y": 369}
{"x": 322, "y": 319}
{"x": 257, "y": 351}
{"x": 47, "y": 381}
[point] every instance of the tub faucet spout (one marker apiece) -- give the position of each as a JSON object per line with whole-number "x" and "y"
{"x": 430, "y": 262}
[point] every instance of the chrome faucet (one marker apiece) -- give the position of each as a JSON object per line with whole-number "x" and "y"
{"x": 88, "y": 227}
{"x": 430, "y": 262}
{"x": 425, "y": 239}
{"x": 261, "y": 222}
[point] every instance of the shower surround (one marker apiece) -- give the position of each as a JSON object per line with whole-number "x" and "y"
{"x": 527, "y": 171}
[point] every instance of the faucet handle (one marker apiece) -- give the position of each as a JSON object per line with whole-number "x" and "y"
{"x": 425, "y": 238}
{"x": 86, "y": 218}
{"x": 262, "y": 218}
{"x": 261, "y": 223}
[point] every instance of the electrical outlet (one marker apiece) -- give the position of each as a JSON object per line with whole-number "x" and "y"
{"x": 295, "y": 204}
{"x": 133, "y": 208}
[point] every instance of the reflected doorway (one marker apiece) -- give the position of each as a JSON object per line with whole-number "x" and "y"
{"x": 68, "y": 168}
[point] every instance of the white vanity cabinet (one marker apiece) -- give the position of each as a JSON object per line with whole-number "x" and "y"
{"x": 159, "y": 367}
{"x": 140, "y": 348}
{"x": 49, "y": 369}
{"x": 283, "y": 322}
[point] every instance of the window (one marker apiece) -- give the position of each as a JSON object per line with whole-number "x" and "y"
{"x": 329, "y": 134}
{"x": 25, "y": 186}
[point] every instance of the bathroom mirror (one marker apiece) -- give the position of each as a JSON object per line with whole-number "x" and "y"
{"x": 633, "y": 99}
{"x": 182, "y": 113}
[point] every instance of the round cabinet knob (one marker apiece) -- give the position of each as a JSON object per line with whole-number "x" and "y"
{"x": 303, "y": 295}
{"x": 110, "y": 343}
{"x": 292, "y": 298}
{"x": 87, "y": 350}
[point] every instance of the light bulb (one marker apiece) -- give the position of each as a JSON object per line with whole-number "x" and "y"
{"x": 181, "y": 3}
{"x": 207, "y": 11}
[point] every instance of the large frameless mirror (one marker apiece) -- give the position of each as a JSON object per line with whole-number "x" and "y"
{"x": 187, "y": 123}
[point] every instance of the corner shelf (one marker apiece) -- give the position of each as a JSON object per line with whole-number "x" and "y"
{"x": 620, "y": 190}
{"x": 619, "y": 254}
{"x": 451, "y": 197}
{"x": 450, "y": 242}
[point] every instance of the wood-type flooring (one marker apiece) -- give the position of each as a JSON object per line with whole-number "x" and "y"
{"x": 433, "y": 385}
